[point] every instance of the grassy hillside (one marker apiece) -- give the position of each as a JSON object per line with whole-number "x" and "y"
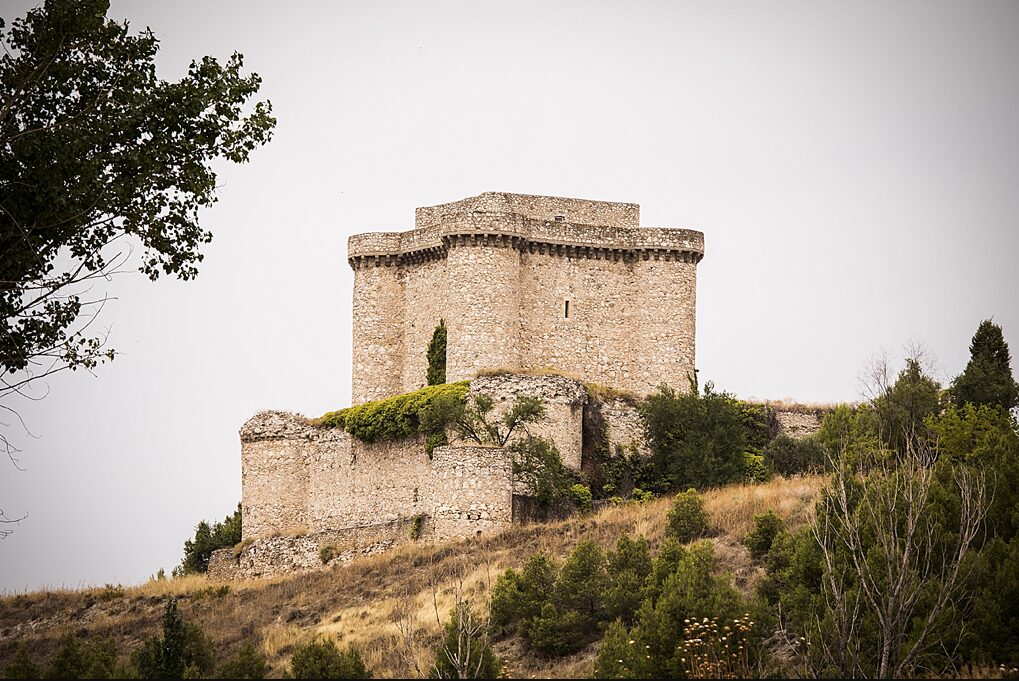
{"x": 390, "y": 605}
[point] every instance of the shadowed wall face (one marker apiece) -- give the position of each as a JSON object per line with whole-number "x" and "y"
{"x": 522, "y": 287}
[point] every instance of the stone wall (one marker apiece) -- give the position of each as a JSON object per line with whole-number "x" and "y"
{"x": 473, "y": 488}
{"x": 501, "y": 270}
{"x": 291, "y": 554}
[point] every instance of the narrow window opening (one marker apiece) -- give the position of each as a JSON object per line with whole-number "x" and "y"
{"x": 560, "y": 218}
{"x": 566, "y": 310}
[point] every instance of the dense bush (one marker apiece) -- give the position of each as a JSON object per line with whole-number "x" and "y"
{"x": 538, "y": 468}
{"x": 755, "y": 469}
{"x": 183, "y": 649}
{"x": 426, "y": 411}
{"x": 581, "y": 497}
{"x": 465, "y": 651}
{"x": 323, "y": 660}
{"x": 786, "y": 455}
{"x": 96, "y": 659}
{"x": 696, "y": 440}
{"x": 207, "y": 539}
{"x": 684, "y": 587}
{"x": 246, "y": 664}
{"x": 767, "y": 526}
{"x": 559, "y": 610}
{"x": 687, "y": 518}
{"x": 850, "y": 435}
{"x": 902, "y": 408}
{"x": 437, "y": 355}
{"x": 21, "y": 666}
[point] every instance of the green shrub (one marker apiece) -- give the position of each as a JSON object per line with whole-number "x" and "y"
{"x": 96, "y": 658}
{"x": 755, "y": 470}
{"x": 787, "y": 455}
{"x": 21, "y": 666}
{"x": 183, "y": 649}
{"x": 581, "y": 587}
{"x": 323, "y": 660}
{"x": 581, "y": 495}
{"x": 437, "y": 355}
{"x": 426, "y": 411}
{"x": 629, "y": 568}
{"x": 641, "y": 496}
{"x": 687, "y": 518}
{"x": 207, "y": 539}
{"x": 766, "y": 527}
{"x": 557, "y": 633}
{"x": 326, "y": 553}
{"x": 695, "y": 440}
{"x": 465, "y": 652}
{"x": 246, "y": 664}
{"x": 987, "y": 379}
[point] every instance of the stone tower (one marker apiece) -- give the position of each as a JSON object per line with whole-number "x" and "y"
{"x": 525, "y": 282}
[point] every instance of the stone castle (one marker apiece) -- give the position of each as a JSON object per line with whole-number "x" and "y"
{"x": 525, "y": 282}
{"x": 541, "y": 296}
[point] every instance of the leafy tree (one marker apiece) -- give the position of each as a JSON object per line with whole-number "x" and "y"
{"x": 902, "y": 408}
{"x": 687, "y": 518}
{"x": 474, "y": 423}
{"x": 850, "y": 434}
{"x": 437, "y": 355}
{"x": 96, "y": 152}
{"x": 246, "y": 664}
{"x": 987, "y": 379}
{"x": 696, "y": 440}
{"x": 465, "y": 651}
{"x": 582, "y": 583}
{"x": 207, "y": 539}
{"x": 183, "y": 649}
{"x": 68, "y": 662}
{"x": 517, "y": 598}
{"x": 538, "y": 467}
{"x": 323, "y": 660}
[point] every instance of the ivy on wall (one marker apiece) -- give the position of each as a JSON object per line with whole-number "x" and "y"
{"x": 428, "y": 410}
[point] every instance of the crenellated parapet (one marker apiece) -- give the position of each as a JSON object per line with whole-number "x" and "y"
{"x": 501, "y": 230}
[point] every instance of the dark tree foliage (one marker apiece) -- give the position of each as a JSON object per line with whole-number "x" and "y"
{"x": 696, "y": 440}
{"x": 787, "y": 455}
{"x": 687, "y": 518}
{"x": 246, "y": 664}
{"x": 902, "y": 408}
{"x": 437, "y": 355}
{"x": 183, "y": 651}
{"x": 323, "y": 660}
{"x": 209, "y": 538}
{"x": 94, "y": 147}
{"x": 987, "y": 379}
{"x": 538, "y": 466}
{"x": 21, "y": 666}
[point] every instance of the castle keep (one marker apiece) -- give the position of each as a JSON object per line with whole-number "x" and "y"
{"x": 525, "y": 282}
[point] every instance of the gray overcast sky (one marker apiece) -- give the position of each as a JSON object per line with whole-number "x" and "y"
{"x": 854, "y": 168}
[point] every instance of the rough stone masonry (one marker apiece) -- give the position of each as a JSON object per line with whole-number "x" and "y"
{"x": 525, "y": 282}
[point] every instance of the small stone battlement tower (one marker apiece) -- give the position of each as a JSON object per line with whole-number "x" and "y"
{"x": 525, "y": 282}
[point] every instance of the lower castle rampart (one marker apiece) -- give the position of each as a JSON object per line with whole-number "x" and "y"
{"x": 314, "y": 495}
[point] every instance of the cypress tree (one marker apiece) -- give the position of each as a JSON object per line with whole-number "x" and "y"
{"x": 437, "y": 355}
{"x": 987, "y": 378}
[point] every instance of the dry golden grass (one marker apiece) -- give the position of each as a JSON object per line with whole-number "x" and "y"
{"x": 391, "y": 605}
{"x": 800, "y": 407}
{"x": 732, "y": 508}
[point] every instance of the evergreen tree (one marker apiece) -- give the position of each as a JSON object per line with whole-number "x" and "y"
{"x": 437, "y": 355}
{"x": 987, "y": 378}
